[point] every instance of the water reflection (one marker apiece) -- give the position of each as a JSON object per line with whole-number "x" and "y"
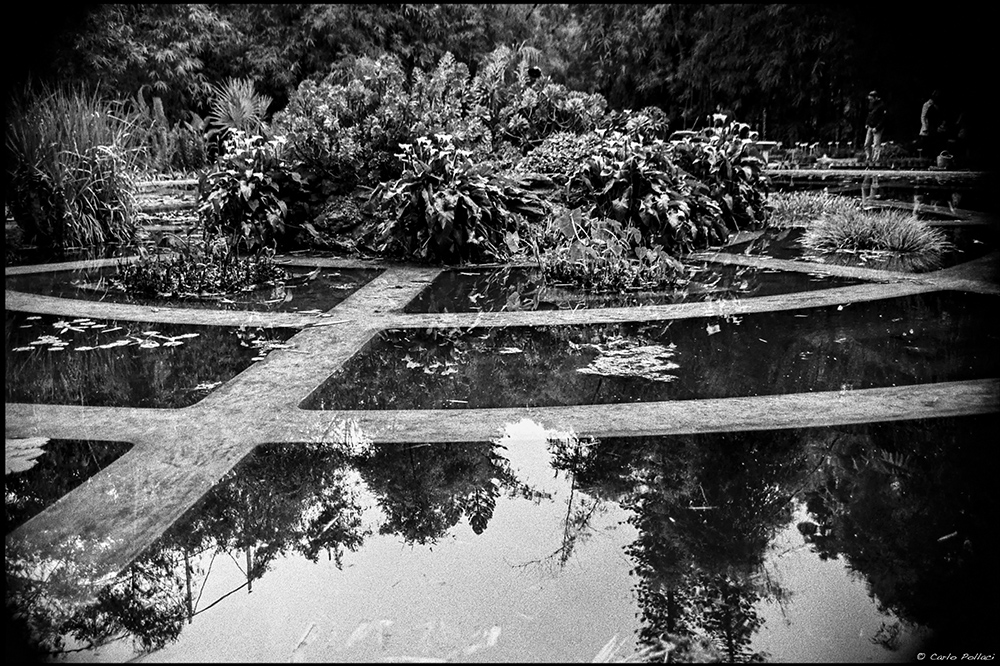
{"x": 305, "y": 290}
{"x": 940, "y": 336}
{"x": 81, "y": 361}
{"x": 718, "y": 531}
{"x": 522, "y": 288}
{"x": 40, "y": 471}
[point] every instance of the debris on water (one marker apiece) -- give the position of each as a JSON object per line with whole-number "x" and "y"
{"x": 625, "y": 357}
{"x": 21, "y": 454}
{"x": 205, "y": 386}
{"x": 712, "y": 329}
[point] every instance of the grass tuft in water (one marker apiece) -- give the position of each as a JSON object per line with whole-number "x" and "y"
{"x": 878, "y": 231}
{"x": 800, "y": 209}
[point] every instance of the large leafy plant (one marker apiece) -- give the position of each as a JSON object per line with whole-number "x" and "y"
{"x": 636, "y": 184}
{"x": 601, "y": 254}
{"x": 734, "y": 176}
{"x": 446, "y": 208}
{"x": 347, "y": 127}
{"x": 243, "y": 201}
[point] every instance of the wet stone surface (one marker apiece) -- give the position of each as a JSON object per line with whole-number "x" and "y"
{"x": 893, "y": 342}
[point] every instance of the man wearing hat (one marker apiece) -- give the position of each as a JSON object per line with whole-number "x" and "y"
{"x": 873, "y": 127}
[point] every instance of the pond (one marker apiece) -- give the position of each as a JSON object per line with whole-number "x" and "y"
{"x": 940, "y": 336}
{"x": 82, "y": 361}
{"x": 523, "y": 288}
{"x": 308, "y": 289}
{"x": 849, "y": 543}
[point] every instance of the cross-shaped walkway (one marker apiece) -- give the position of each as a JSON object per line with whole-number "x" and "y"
{"x": 179, "y": 454}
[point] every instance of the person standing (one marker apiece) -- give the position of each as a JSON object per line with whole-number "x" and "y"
{"x": 930, "y": 126}
{"x": 873, "y": 127}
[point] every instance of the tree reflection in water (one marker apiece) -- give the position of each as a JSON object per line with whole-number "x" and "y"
{"x": 907, "y": 505}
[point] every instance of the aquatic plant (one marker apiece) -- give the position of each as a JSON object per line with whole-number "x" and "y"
{"x": 192, "y": 271}
{"x": 603, "y": 255}
{"x": 71, "y": 175}
{"x": 638, "y": 185}
{"x": 858, "y": 230}
{"x": 795, "y": 209}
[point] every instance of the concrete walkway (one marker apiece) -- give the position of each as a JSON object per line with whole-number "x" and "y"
{"x": 179, "y": 454}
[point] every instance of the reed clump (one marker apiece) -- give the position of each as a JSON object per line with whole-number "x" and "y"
{"x": 71, "y": 168}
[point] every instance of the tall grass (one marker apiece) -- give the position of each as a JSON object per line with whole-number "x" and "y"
{"x": 800, "y": 209}
{"x": 72, "y": 159}
{"x": 858, "y": 230}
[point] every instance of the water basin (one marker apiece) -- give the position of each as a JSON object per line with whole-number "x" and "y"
{"x": 968, "y": 242}
{"x": 940, "y": 336}
{"x": 80, "y": 361}
{"x": 307, "y": 289}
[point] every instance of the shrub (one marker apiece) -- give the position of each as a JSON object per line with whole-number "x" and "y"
{"x": 348, "y": 127}
{"x": 559, "y": 155}
{"x": 725, "y": 163}
{"x": 236, "y": 106}
{"x": 244, "y": 199}
{"x": 71, "y": 176}
{"x": 445, "y": 208}
{"x": 636, "y": 184}
{"x": 181, "y": 147}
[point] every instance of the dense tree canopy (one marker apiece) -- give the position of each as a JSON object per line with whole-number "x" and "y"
{"x": 795, "y": 72}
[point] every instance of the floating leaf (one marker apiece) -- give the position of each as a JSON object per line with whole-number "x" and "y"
{"x": 20, "y": 454}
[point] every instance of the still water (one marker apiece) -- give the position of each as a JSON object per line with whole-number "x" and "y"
{"x": 850, "y": 543}
{"x": 306, "y": 289}
{"x": 81, "y": 361}
{"x": 495, "y": 290}
{"x": 940, "y": 336}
